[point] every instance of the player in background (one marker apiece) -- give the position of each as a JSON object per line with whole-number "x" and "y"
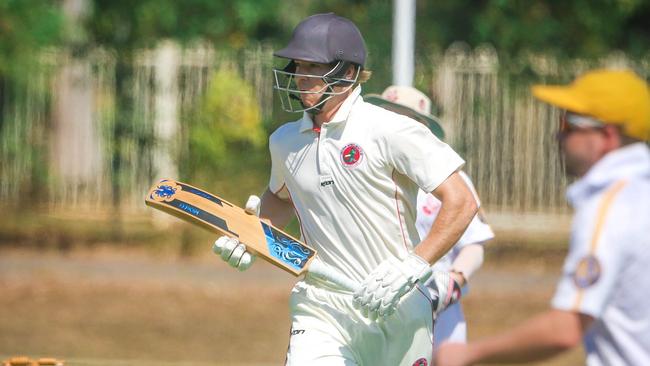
{"x": 350, "y": 171}
{"x": 467, "y": 255}
{"x": 602, "y": 297}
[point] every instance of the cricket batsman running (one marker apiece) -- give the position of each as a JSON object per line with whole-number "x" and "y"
{"x": 351, "y": 171}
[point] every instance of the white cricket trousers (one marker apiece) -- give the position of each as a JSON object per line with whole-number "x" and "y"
{"x": 326, "y": 329}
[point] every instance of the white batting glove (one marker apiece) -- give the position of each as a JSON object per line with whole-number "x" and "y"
{"x": 444, "y": 291}
{"x": 380, "y": 293}
{"x": 253, "y": 205}
{"x": 233, "y": 252}
{"x": 230, "y": 249}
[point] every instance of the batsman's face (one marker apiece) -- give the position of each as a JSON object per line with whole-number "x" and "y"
{"x": 314, "y": 85}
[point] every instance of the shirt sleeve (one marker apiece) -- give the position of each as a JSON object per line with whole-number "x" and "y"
{"x": 595, "y": 260}
{"x": 415, "y": 152}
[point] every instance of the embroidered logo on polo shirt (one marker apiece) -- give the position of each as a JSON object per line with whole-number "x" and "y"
{"x": 587, "y": 272}
{"x": 351, "y": 155}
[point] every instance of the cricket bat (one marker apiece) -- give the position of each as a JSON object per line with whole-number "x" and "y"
{"x": 223, "y": 218}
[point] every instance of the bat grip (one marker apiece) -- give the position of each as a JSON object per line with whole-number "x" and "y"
{"x": 318, "y": 268}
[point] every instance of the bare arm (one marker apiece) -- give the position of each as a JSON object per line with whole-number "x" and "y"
{"x": 278, "y": 211}
{"x": 458, "y": 209}
{"x": 469, "y": 259}
{"x": 539, "y": 338}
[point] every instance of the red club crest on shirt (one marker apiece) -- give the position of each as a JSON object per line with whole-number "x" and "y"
{"x": 421, "y": 362}
{"x": 351, "y": 155}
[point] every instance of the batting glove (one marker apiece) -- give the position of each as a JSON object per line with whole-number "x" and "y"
{"x": 380, "y": 293}
{"x": 230, "y": 249}
{"x": 444, "y": 291}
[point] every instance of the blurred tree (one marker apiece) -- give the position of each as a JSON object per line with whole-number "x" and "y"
{"x": 25, "y": 27}
{"x": 125, "y": 24}
{"x": 227, "y": 131}
{"x": 226, "y": 143}
{"x": 577, "y": 28}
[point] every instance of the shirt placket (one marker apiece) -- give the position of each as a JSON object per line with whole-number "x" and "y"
{"x": 324, "y": 170}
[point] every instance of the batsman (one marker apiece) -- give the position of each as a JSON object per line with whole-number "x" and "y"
{"x": 350, "y": 171}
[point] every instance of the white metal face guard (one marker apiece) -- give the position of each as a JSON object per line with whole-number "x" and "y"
{"x": 289, "y": 92}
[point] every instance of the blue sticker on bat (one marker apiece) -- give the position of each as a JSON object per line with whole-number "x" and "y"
{"x": 286, "y": 249}
{"x": 164, "y": 192}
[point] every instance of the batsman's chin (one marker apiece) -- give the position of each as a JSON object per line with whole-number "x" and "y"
{"x": 309, "y": 98}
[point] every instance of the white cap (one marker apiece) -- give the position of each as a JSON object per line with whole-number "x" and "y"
{"x": 410, "y": 102}
{"x": 409, "y": 97}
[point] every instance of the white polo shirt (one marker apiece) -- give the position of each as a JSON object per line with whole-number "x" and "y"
{"x": 607, "y": 272}
{"x": 354, "y": 184}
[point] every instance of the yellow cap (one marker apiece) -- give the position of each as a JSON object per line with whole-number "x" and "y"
{"x": 613, "y": 97}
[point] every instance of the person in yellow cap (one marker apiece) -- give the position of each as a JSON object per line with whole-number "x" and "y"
{"x": 603, "y": 295}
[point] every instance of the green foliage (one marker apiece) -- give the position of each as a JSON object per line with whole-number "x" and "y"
{"x": 226, "y": 135}
{"x": 25, "y": 27}
{"x": 125, "y": 24}
{"x": 577, "y": 28}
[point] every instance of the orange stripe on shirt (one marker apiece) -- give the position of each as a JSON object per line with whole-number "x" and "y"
{"x": 598, "y": 229}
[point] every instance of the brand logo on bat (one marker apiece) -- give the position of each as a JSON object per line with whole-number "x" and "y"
{"x": 165, "y": 191}
{"x": 351, "y": 155}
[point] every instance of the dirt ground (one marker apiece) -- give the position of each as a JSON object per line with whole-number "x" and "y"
{"x": 119, "y": 307}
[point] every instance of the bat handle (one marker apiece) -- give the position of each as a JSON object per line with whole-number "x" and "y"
{"x": 317, "y": 267}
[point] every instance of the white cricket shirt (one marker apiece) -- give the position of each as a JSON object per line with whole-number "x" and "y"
{"x": 607, "y": 271}
{"x": 354, "y": 185}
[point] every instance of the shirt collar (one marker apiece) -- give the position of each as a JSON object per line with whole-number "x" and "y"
{"x": 627, "y": 162}
{"x": 340, "y": 116}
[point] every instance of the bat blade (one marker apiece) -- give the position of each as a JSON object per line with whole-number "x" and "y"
{"x": 223, "y": 218}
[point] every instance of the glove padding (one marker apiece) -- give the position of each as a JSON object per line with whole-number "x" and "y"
{"x": 380, "y": 293}
{"x": 230, "y": 249}
{"x": 444, "y": 290}
{"x": 233, "y": 252}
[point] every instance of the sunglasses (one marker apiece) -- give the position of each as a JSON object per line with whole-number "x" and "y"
{"x": 571, "y": 122}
